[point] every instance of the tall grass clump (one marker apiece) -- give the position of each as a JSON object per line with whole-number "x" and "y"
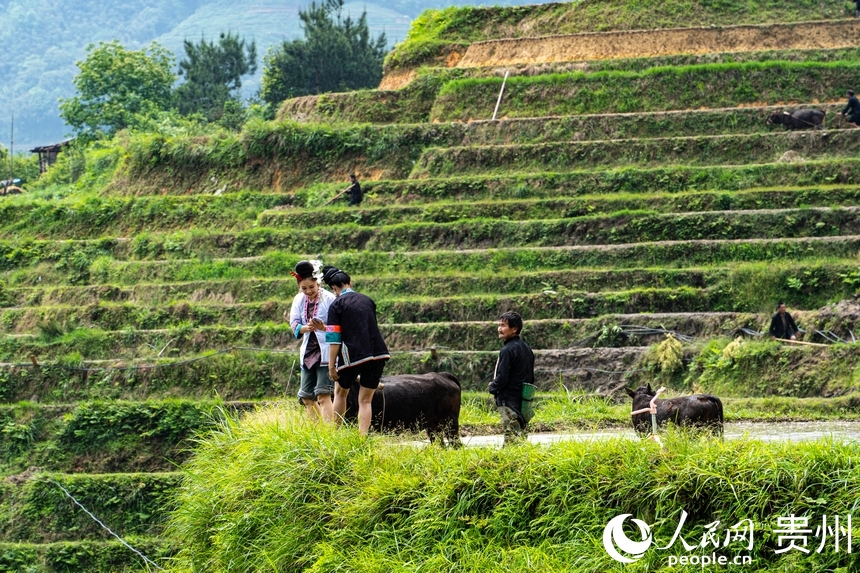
{"x": 275, "y": 493}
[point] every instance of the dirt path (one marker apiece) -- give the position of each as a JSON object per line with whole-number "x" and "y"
{"x": 652, "y": 43}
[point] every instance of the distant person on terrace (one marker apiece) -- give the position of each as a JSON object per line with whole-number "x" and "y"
{"x": 354, "y": 191}
{"x": 852, "y": 110}
{"x": 308, "y": 316}
{"x": 782, "y": 325}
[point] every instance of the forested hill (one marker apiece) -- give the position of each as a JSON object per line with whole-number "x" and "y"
{"x": 42, "y": 39}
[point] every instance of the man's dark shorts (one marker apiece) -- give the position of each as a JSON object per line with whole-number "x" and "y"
{"x": 370, "y": 372}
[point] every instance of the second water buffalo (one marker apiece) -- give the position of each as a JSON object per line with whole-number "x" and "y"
{"x": 799, "y": 119}
{"x": 698, "y": 410}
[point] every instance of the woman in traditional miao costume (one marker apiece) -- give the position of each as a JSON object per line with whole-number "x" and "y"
{"x": 308, "y": 317}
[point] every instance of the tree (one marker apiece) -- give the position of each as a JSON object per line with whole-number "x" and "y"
{"x": 115, "y": 86}
{"x": 337, "y": 54}
{"x": 213, "y": 74}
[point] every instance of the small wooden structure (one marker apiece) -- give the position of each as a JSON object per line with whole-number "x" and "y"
{"x": 48, "y": 154}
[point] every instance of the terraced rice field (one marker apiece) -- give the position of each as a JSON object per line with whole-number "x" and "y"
{"x": 654, "y": 197}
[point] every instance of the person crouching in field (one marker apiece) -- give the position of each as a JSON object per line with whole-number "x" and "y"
{"x": 308, "y": 316}
{"x": 356, "y": 346}
{"x": 514, "y": 367}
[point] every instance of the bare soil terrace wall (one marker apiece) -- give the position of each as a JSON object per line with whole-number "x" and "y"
{"x": 650, "y": 43}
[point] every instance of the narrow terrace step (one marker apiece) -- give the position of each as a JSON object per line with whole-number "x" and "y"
{"x": 183, "y": 298}
{"x": 660, "y": 89}
{"x": 273, "y": 339}
{"x": 574, "y": 183}
{"x": 98, "y": 217}
{"x": 634, "y": 125}
{"x": 697, "y": 150}
{"x": 666, "y": 42}
{"x": 630, "y": 64}
{"x": 632, "y": 227}
{"x": 746, "y": 290}
{"x": 565, "y": 207}
{"x": 573, "y": 362}
{"x": 669, "y": 254}
{"x": 89, "y": 556}
{"x": 93, "y": 217}
{"x": 39, "y": 511}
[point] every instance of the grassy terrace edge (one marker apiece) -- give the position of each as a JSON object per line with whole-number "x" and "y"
{"x": 557, "y": 501}
{"x": 438, "y": 32}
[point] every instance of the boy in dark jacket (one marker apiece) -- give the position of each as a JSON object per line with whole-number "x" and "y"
{"x": 515, "y": 366}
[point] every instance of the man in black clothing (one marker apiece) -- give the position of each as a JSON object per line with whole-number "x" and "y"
{"x": 515, "y": 366}
{"x": 782, "y": 325}
{"x": 355, "y": 194}
{"x": 852, "y": 110}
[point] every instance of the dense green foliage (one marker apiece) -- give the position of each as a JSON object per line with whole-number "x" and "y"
{"x": 116, "y": 87}
{"x": 337, "y": 54}
{"x": 367, "y": 505}
{"x": 213, "y": 74}
{"x": 66, "y": 556}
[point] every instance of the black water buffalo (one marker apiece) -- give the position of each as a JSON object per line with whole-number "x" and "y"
{"x": 415, "y": 402}
{"x": 698, "y": 410}
{"x": 800, "y": 119}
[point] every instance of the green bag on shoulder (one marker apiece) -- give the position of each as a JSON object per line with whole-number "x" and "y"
{"x": 528, "y": 409}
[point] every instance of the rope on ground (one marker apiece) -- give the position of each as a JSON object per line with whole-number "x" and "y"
{"x": 105, "y": 527}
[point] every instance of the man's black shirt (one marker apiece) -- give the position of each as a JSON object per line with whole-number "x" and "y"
{"x": 516, "y": 366}
{"x": 783, "y": 329}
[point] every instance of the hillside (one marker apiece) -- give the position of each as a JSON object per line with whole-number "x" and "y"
{"x": 622, "y": 194}
{"x": 43, "y": 39}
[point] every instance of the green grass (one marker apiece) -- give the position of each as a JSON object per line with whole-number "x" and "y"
{"x": 156, "y": 436}
{"x": 86, "y": 259}
{"x": 655, "y": 89}
{"x": 383, "y": 506}
{"x": 434, "y": 30}
{"x": 524, "y": 209}
{"x": 38, "y": 510}
{"x": 691, "y": 151}
{"x": 92, "y": 556}
{"x": 104, "y": 436}
{"x": 94, "y": 218}
{"x": 672, "y": 179}
{"x": 447, "y": 298}
{"x": 181, "y": 301}
{"x": 672, "y": 255}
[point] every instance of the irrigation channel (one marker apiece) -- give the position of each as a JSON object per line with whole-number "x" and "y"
{"x": 765, "y": 431}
